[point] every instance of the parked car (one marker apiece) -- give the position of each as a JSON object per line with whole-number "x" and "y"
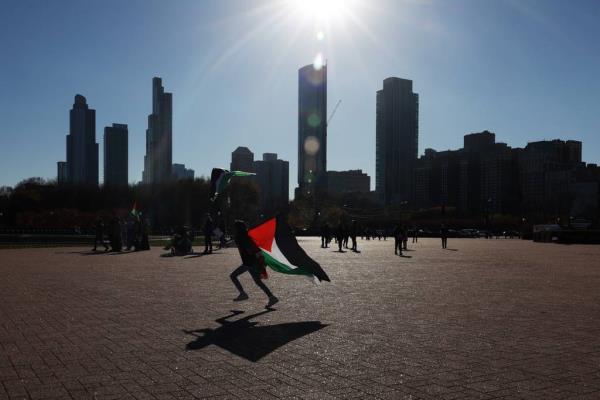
{"x": 580, "y": 223}
{"x": 469, "y": 233}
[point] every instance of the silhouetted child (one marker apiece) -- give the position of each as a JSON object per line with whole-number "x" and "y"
{"x": 252, "y": 262}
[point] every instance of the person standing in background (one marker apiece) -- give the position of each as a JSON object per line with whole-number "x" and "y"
{"x": 208, "y": 231}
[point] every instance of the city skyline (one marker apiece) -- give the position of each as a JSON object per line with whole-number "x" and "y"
{"x": 478, "y": 98}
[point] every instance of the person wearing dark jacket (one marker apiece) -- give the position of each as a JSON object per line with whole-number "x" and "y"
{"x": 144, "y": 234}
{"x": 397, "y": 239}
{"x": 208, "y": 231}
{"x": 325, "y": 235}
{"x": 353, "y": 233}
{"x": 99, "y": 235}
{"x": 415, "y": 235}
{"x": 129, "y": 234}
{"x": 114, "y": 235}
{"x": 444, "y": 236}
{"x": 340, "y": 234}
{"x": 252, "y": 262}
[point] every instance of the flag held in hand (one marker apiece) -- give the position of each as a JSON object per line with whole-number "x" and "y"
{"x": 281, "y": 251}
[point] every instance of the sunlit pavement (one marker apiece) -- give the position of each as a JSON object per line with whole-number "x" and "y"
{"x": 484, "y": 319}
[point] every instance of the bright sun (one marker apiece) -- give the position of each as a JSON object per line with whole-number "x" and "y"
{"x": 324, "y": 11}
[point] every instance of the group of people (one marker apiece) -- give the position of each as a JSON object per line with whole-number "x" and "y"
{"x": 181, "y": 242}
{"x": 183, "y": 238}
{"x": 401, "y": 234}
{"x": 342, "y": 235}
{"x": 134, "y": 233}
{"x": 375, "y": 234}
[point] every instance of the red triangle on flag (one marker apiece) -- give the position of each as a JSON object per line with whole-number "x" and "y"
{"x": 264, "y": 234}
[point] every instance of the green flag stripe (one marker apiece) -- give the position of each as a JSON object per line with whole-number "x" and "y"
{"x": 278, "y": 266}
{"x": 241, "y": 173}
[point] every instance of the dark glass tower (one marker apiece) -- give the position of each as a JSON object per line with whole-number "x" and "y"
{"x": 115, "y": 155}
{"x": 82, "y": 149}
{"x": 312, "y": 128}
{"x": 397, "y": 141}
{"x": 159, "y": 137}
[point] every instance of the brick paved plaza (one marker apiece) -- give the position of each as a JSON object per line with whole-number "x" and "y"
{"x": 484, "y": 319}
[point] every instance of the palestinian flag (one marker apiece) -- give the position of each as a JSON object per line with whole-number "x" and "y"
{"x": 281, "y": 250}
{"x": 219, "y": 179}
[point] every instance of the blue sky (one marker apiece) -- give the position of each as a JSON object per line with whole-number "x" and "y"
{"x": 524, "y": 69}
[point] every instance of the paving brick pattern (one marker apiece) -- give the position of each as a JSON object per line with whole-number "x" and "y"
{"x": 486, "y": 319}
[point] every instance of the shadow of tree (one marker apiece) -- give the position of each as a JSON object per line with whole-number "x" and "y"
{"x": 248, "y": 339}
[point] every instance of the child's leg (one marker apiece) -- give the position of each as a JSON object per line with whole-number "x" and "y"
{"x": 237, "y": 272}
{"x": 256, "y": 277}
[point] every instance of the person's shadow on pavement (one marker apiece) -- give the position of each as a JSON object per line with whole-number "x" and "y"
{"x": 247, "y": 338}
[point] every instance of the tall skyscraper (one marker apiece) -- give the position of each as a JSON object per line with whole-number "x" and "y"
{"x": 82, "y": 149}
{"x": 116, "y": 155}
{"x": 242, "y": 159}
{"x": 397, "y": 141}
{"x": 159, "y": 136}
{"x": 312, "y": 128}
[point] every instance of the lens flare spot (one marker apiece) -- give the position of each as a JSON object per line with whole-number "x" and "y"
{"x": 318, "y": 61}
{"x": 311, "y": 145}
{"x": 320, "y": 36}
{"x": 313, "y": 120}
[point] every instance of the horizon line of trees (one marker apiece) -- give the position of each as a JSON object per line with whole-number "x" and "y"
{"x": 41, "y": 203}
{"x": 37, "y": 203}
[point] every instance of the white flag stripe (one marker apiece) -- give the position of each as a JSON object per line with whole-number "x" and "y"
{"x": 278, "y": 255}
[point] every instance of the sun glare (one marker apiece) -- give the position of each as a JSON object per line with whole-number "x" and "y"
{"x": 324, "y": 11}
